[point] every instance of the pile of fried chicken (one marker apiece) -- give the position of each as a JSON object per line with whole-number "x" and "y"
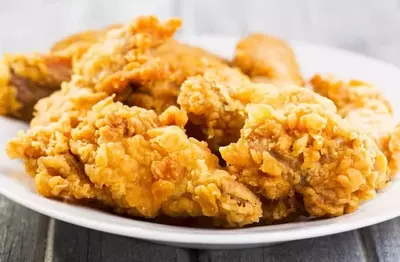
{"x": 139, "y": 122}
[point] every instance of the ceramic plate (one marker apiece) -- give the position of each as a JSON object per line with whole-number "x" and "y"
{"x": 18, "y": 186}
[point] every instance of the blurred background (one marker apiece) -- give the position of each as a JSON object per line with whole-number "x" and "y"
{"x": 371, "y": 27}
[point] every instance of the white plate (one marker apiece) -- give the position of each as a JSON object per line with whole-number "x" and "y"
{"x": 18, "y": 186}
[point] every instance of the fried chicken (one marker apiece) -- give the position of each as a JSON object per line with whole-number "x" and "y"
{"x": 45, "y": 150}
{"x": 131, "y": 159}
{"x": 115, "y": 56}
{"x": 267, "y": 59}
{"x": 366, "y": 109}
{"x": 215, "y": 102}
{"x": 128, "y": 158}
{"x": 184, "y": 61}
{"x": 307, "y": 150}
{"x": 24, "y": 79}
{"x": 107, "y": 129}
{"x": 124, "y": 56}
{"x": 117, "y": 65}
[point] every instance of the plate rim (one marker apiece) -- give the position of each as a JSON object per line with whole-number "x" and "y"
{"x": 207, "y": 236}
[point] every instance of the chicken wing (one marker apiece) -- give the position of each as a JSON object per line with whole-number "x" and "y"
{"x": 366, "y": 109}
{"x": 267, "y": 59}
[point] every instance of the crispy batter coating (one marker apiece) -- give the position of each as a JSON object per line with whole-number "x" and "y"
{"x": 124, "y": 56}
{"x": 45, "y": 150}
{"x": 216, "y": 102}
{"x": 116, "y": 65}
{"x": 115, "y": 58}
{"x": 107, "y": 129}
{"x": 24, "y": 79}
{"x": 184, "y": 61}
{"x": 158, "y": 167}
{"x": 66, "y": 106}
{"x": 354, "y": 94}
{"x": 130, "y": 158}
{"x": 308, "y": 150}
{"x": 125, "y": 157}
{"x": 366, "y": 109}
{"x": 267, "y": 59}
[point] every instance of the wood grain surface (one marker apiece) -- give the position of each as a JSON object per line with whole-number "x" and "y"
{"x": 366, "y": 26}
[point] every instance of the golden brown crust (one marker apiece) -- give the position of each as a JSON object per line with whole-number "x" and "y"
{"x": 27, "y": 78}
{"x": 215, "y": 102}
{"x": 267, "y": 59}
{"x": 288, "y": 150}
{"x": 306, "y": 149}
{"x": 354, "y": 94}
{"x": 365, "y": 107}
{"x": 124, "y": 56}
{"x": 129, "y": 158}
{"x": 8, "y": 93}
{"x": 184, "y": 61}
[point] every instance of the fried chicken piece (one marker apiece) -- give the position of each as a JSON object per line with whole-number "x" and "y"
{"x": 75, "y": 45}
{"x": 366, "y": 109}
{"x": 267, "y": 59}
{"x": 64, "y": 108}
{"x": 24, "y": 79}
{"x": 127, "y": 66}
{"x": 215, "y": 102}
{"x": 184, "y": 61}
{"x": 158, "y": 166}
{"x": 124, "y": 56}
{"x": 113, "y": 64}
{"x": 354, "y": 94}
{"x": 127, "y": 158}
{"x": 307, "y": 150}
{"x": 45, "y": 148}
{"x": 140, "y": 163}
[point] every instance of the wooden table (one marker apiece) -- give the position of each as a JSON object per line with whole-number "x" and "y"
{"x": 368, "y": 26}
